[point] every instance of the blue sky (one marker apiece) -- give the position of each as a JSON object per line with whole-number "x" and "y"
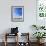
{"x": 18, "y": 11}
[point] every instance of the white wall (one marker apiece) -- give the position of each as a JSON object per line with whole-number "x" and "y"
{"x": 29, "y": 15}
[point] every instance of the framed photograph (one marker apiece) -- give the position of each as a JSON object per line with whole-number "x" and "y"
{"x": 17, "y": 13}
